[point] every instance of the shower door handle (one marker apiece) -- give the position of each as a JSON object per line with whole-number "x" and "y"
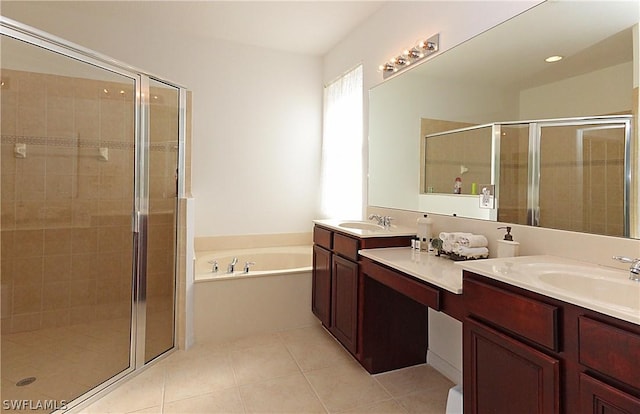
{"x": 135, "y": 222}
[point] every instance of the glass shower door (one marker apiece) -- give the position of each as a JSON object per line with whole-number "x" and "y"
{"x": 164, "y": 104}
{"x": 67, "y": 191}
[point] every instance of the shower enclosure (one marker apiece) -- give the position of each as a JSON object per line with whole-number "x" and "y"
{"x": 91, "y": 166}
{"x": 569, "y": 174}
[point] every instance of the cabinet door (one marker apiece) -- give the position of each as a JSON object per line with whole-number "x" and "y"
{"x": 503, "y": 375}
{"x": 344, "y": 302}
{"x": 321, "y": 286}
{"x": 599, "y": 398}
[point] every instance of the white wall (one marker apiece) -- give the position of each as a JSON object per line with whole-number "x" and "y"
{"x": 257, "y": 144}
{"x": 256, "y": 114}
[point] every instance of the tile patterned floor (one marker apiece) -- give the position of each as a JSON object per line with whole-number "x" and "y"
{"x": 298, "y": 371}
{"x": 66, "y": 361}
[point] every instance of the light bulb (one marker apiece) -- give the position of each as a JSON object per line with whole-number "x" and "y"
{"x": 552, "y": 59}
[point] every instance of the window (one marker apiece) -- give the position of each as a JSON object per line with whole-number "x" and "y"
{"x": 341, "y": 192}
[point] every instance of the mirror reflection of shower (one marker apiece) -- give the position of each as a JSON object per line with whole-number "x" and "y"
{"x": 569, "y": 174}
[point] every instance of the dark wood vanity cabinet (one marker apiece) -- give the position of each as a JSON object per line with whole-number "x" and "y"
{"x": 611, "y": 356}
{"x": 321, "y": 284}
{"x": 344, "y": 302}
{"x": 529, "y": 353}
{"x": 503, "y": 373}
{"x": 598, "y": 397}
{"x": 394, "y": 316}
{"x": 337, "y": 284}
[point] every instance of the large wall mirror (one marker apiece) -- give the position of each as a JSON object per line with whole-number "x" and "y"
{"x": 557, "y": 140}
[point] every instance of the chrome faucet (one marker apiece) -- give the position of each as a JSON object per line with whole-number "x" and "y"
{"x": 378, "y": 218}
{"x": 634, "y": 270}
{"x": 232, "y": 265}
{"x": 384, "y": 221}
{"x": 214, "y": 268}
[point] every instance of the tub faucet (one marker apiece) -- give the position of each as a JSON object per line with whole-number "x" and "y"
{"x": 232, "y": 265}
{"x": 247, "y": 265}
{"x": 214, "y": 266}
{"x": 634, "y": 270}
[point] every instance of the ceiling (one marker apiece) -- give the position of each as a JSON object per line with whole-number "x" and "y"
{"x": 309, "y": 27}
{"x": 512, "y": 54}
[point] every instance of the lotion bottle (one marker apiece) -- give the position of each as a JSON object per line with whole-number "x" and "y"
{"x": 425, "y": 225}
{"x": 507, "y": 247}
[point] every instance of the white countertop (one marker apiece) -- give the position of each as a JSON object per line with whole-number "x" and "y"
{"x": 439, "y": 271}
{"x": 392, "y": 231}
{"x": 599, "y": 288}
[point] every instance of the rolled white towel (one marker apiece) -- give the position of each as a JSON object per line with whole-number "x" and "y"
{"x": 472, "y": 252}
{"x": 453, "y": 237}
{"x": 459, "y": 235}
{"x": 474, "y": 240}
{"x": 450, "y": 241}
{"x": 444, "y": 236}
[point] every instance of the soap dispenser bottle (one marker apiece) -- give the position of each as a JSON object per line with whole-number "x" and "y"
{"x": 425, "y": 231}
{"x": 507, "y": 247}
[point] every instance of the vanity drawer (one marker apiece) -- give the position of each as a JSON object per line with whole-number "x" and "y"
{"x": 610, "y": 350}
{"x": 346, "y": 246}
{"x": 417, "y": 291}
{"x": 322, "y": 237}
{"x": 528, "y": 318}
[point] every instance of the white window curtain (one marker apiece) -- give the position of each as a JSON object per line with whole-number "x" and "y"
{"x": 341, "y": 194}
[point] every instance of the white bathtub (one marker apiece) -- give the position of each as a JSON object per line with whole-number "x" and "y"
{"x": 275, "y": 295}
{"x": 267, "y": 261}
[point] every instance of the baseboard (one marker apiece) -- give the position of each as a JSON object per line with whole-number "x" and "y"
{"x": 444, "y": 367}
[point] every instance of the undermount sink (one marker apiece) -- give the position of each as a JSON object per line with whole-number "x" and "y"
{"x": 601, "y": 289}
{"x": 604, "y": 289}
{"x": 550, "y": 271}
{"x": 361, "y": 225}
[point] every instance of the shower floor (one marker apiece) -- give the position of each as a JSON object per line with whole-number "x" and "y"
{"x": 66, "y": 361}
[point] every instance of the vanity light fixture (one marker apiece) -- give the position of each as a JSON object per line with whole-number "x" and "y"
{"x": 400, "y": 61}
{"x": 553, "y": 58}
{"x": 414, "y": 53}
{"x": 420, "y": 51}
{"x": 387, "y": 67}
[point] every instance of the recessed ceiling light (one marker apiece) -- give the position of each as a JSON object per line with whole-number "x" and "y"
{"x": 552, "y": 59}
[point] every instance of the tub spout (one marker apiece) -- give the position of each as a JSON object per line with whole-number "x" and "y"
{"x": 232, "y": 265}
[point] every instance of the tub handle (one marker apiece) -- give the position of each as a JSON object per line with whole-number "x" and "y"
{"x": 247, "y": 265}
{"x": 214, "y": 268}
